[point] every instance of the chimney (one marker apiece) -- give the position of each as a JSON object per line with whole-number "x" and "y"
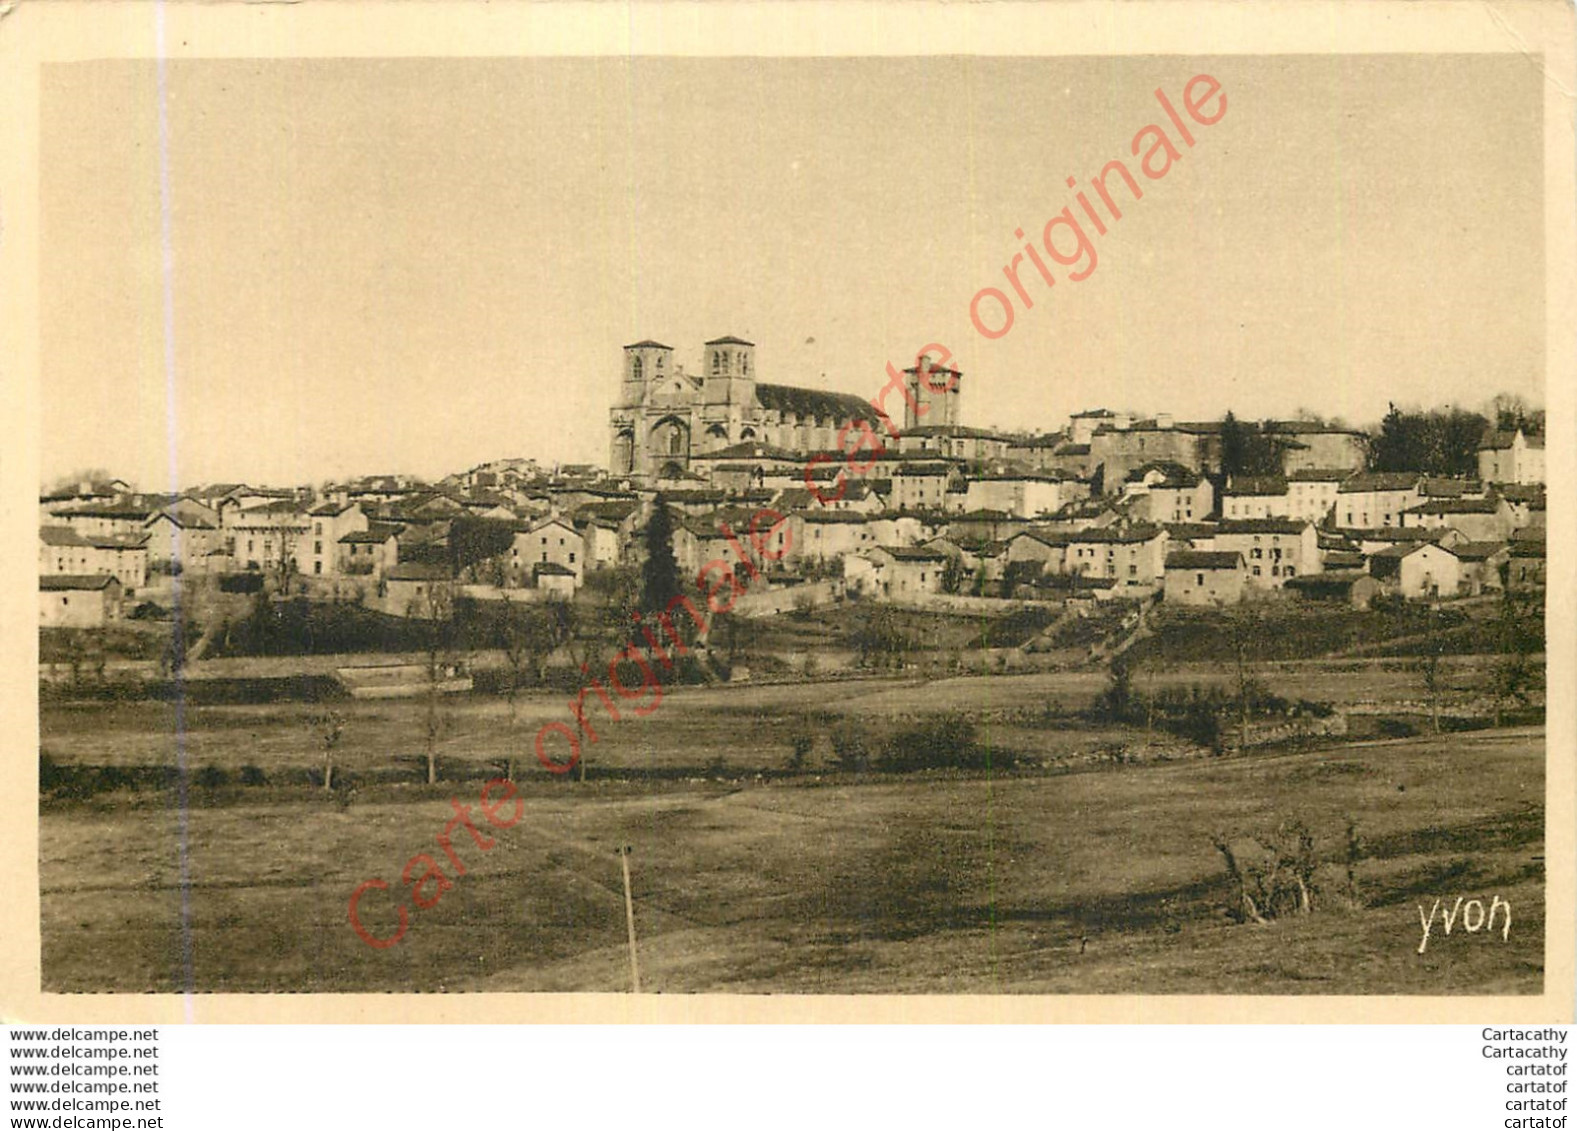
{"x": 1163, "y": 420}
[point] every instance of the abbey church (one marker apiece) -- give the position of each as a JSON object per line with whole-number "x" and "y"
{"x": 664, "y": 416}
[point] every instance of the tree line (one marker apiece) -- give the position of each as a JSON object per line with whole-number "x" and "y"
{"x": 1436, "y": 441}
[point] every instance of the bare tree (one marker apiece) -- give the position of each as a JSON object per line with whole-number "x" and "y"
{"x": 555, "y": 623}
{"x": 76, "y": 655}
{"x": 512, "y": 633}
{"x": 328, "y": 727}
{"x": 726, "y": 634}
{"x": 1514, "y": 676}
{"x": 1508, "y": 411}
{"x": 528, "y": 639}
{"x": 285, "y": 569}
{"x": 434, "y": 610}
{"x": 1244, "y": 626}
{"x": 1432, "y": 647}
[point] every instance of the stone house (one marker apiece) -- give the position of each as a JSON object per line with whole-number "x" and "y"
{"x": 1418, "y": 570}
{"x": 906, "y": 571}
{"x": 554, "y": 540}
{"x": 67, "y": 600}
{"x": 1129, "y": 555}
{"x": 1377, "y": 499}
{"x": 1204, "y": 577}
{"x": 1274, "y": 549}
{"x": 1511, "y": 457}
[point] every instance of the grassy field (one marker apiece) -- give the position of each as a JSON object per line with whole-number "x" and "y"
{"x": 1103, "y": 881}
{"x": 752, "y": 728}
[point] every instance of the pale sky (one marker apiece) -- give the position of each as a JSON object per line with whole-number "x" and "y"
{"x": 418, "y": 265}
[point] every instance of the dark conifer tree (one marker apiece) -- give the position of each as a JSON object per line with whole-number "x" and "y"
{"x": 1396, "y": 448}
{"x": 1234, "y": 446}
{"x": 660, "y": 582}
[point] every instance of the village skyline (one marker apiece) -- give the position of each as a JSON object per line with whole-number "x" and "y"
{"x": 101, "y": 471}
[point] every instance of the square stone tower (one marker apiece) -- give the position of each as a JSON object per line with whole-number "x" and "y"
{"x": 936, "y": 389}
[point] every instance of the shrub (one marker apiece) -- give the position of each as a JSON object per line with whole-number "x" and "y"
{"x": 880, "y": 640}
{"x": 253, "y": 775}
{"x": 344, "y": 792}
{"x": 851, "y": 747}
{"x": 211, "y": 777}
{"x": 110, "y": 778}
{"x": 1016, "y": 628}
{"x": 804, "y": 742}
{"x": 1200, "y": 722}
{"x": 1118, "y": 702}
{"x": 1277, "y": 879}
{"x": 75, "y": 783}
{"x": 1352, "y": 854}
{"x": 942, "y": 742}
{"x": 241, "y": 583}
{"x": 1051, "y": 713}
{"x": 933, "y": 743}
{"x": 1194, "y": 714}
{"x": 50, "y": 772}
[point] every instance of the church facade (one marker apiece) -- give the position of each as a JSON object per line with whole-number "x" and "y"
{"x": 665, "y": 416}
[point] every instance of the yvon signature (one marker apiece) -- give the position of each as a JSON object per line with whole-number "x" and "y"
{"x": 1473, "y": 918}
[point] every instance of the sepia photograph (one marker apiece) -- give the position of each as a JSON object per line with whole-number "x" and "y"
{"x": 823, "y": 524}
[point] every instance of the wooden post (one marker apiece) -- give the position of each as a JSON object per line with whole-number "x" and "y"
{"x": 629, "y": 918}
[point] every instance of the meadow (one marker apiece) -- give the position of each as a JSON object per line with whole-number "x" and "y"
{"x": 755, "y": 876}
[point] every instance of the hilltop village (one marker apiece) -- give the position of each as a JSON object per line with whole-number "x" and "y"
{"x": 788, "y": 643}
{"x": 1112, "y": 505}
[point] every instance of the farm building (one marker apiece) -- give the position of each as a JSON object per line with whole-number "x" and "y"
{"x": 907, "y": 571}
{"x": 1311, "y": 492}
{"x": 553, "y": 542}
{"x": 554, "y": 578}
{"x": 181, "y": 538}
{"x": 1256, "y": 496}
{"x": 416, "y": 589}
{"x": 369, "y": 551}
{"x": 1025, "y": 494}
{"x": 1048, "y": 549}
{"x": 1481, "y": 564}
{"x": 73, "y": 600}
{"x": 1526, "y": 566}
{"x": 1352, "y": 587}
{"x": 1479, "y": 520}
{"x": 1418, "y": 569}
{"x": 923, "y": 486}
{"x": 1204, "y": 577}
{"x": 1133, "y": 555}
{"x": 1162, "y": 491}
{"x": 1377, "y": 498}
{"x": 1274, "y": 549}
{"x": 1511, "y": 457}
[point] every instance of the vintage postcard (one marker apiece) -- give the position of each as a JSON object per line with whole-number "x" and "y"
{"x": 789, "y": 512}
